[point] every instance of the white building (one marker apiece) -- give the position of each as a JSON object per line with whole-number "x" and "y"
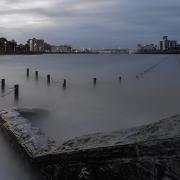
{"x": 61, "y": 49}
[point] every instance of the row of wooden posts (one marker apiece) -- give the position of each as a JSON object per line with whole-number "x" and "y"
{"x": 48, "y": 78}
{"x": 64, "y": 82}
{"x": 15, "y": 88}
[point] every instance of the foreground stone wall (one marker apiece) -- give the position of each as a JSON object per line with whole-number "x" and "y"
{"x": 150, "y": 152}
{"x": 116, "y": 169}
{"x": 153, "y": 160}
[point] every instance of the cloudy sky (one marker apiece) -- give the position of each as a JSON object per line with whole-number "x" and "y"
{"x": 90, "y": 23}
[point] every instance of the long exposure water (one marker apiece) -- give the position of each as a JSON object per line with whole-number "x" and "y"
{"x": 84, "y": 108}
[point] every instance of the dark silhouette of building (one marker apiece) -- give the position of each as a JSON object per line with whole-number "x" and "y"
{"x": 166, "y": 44}
{"x": 36, "y": 45}
{"x": 47, "y": 47}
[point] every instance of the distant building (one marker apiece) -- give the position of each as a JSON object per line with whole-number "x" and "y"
{"x": 172, "y": 44}
{"x": 61, "y": 49}
{"x": 166, "y": 44}
{"x": 133, "y": 51}
{"x": 47, "y": 47}
{"x": 82, "y": 50}
{"x": 113, "y": 51}
{"x": 36, "y": 45}
{"x": 178, "y": 47}
{"x": 11, "y": 46}
{"x": 146, "y": 48}
{"x": 7, "y": 47}
{"x": 21, "y": 48}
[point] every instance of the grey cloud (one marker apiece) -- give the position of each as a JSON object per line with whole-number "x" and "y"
{"x": 95, "y": 23}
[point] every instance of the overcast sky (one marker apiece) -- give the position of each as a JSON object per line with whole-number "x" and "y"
{"x": 90, "y": 23}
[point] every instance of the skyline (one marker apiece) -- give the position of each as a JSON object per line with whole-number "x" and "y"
{"x": 95, "y": 24}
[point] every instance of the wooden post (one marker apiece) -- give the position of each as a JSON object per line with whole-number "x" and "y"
{"x": 94, "y": 81}
{"x": 48, "y": 78}
{"x": 27, "y": 71}
{"x": 2, "y": 84}
{"x": 36, "y": 74}
{"x": 16, "y": 91}
{"x": 64, "y": 83}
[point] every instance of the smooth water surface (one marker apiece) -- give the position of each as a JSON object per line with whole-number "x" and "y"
{"x": 83, "y": 107}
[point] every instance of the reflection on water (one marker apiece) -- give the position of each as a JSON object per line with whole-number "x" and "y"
{"x": 86, "y": 106}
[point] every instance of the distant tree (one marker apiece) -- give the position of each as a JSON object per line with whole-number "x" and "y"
{"x": 2, "y": 44}
{"x": 3, "y": 40}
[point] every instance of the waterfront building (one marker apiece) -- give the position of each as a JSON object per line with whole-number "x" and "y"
{"x": 172, "y": 44}
{"x": 146, "y": 48}
{"x": 11, "y": 46}
{"x": 36, "y": 45}
{"x": 82, "y": 50}
{"x": 47, "y": 47}
{"x": 61, "y": 49}
{"x": 113, "y": 51}
{"x": 7, "y": 46}
{"x": 166, "y": 44}
{"x": 21, "y": 48}
{"x": 132, "y": 51}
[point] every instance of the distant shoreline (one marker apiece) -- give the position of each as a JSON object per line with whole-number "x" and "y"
{"x": 159, "y": 52}
{"x": 4, "y": 54}
{"x": 98, "y": 53}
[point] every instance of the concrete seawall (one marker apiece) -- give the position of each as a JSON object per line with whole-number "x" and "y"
{"x": 30, "y": 138}
{"x": 146, "y": 152}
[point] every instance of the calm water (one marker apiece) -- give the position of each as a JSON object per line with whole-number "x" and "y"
{"x": 84, "y": 108}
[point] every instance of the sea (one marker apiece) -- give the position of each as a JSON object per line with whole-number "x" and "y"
{"x": 131, "y": 90}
